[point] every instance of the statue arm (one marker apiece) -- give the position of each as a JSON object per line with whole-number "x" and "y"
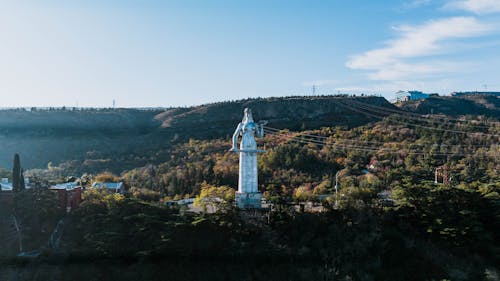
{"x": 235, "y": 137}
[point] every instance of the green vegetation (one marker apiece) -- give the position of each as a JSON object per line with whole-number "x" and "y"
{"x": 429, "y": 233}
{"x": 76, "y": 141}
{"x": 388, "y": 220}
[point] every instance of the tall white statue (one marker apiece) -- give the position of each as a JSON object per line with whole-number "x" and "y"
{"x": 248, "y": 195}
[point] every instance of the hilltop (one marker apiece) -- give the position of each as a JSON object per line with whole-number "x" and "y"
{"x": 487, "y": 105}
{"x": 295, "y": 113}
{"x": 93, "y": 140}
{"x": 119, "y": 139}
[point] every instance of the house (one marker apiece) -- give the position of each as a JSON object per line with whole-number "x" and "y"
{"x": 374, "y": 165}
{"x": 69, "y": 194}
{"x": 181, "y": 202}
{"x": 5, "y": 185}
{"x": 6, "y": 193}
{"x": 113, "y": 187}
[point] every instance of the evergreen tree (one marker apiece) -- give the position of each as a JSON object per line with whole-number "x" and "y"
{"x": 16, "y": 174}
{"x": 22, "y": 185}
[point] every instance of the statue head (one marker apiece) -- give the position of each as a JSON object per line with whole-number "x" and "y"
{"x": 247, "y": 117}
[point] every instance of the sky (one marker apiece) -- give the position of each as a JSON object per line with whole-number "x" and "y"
{"x": 179, "y": 53}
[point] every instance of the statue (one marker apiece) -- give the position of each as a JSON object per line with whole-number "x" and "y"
{"x": 248, "y": 195}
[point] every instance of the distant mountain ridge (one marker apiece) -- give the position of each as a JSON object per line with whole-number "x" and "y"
{"x": 88, "y": 120}
{"x": 120, "y": 139}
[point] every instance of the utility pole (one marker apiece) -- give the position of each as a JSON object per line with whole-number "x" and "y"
{"x": 336, "y": 188}
{"x": 314, "y": 90}
{"x": 20, "y": 237}
{"x": 436, "y": 175}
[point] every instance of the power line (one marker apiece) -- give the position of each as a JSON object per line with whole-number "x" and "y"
{"x": 423, "y": 117}
{"x": 361, "y": 142}
{"x": 409, "y": 124}
{"x": 414, "y": 116}
{"x": 368, "y": 148}
{"x": 323, "y": 137}
{"x": 400, "y": 151}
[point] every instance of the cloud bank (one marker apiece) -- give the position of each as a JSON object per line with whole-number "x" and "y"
{"x": 396, "y": 60}
{"x": 475, "y": 6}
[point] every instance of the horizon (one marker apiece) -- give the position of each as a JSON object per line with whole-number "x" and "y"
{"x": 202, "y": 104}
{"x": 187, "y": 53}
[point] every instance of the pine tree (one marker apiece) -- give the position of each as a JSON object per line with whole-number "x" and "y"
{"x": 16, "y": 174}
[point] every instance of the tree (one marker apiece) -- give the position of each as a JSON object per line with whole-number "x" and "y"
{"x": 22, "y": 184}
{"x": 215, "y": 198}
{"x": 16, "y": 174}
{"x": 107, "y": 177}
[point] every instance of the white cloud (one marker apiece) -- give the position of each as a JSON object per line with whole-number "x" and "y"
{"x": 402, "y": 70}
{"x": 415, "y": 4}
{"x": 391, "y": 62}
{"x": 475, "y": 6}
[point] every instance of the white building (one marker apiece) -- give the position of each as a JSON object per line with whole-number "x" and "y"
{"x": 113, "y": 187}
{"x": 5, "y": 185}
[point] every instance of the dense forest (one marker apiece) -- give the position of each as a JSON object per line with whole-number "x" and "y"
{"x": 388, "y": 220}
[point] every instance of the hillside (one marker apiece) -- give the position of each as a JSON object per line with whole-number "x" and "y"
{"x": 43, "y": 136}
{"x": 376, "y": 184}
{"x": 93, "y": 140}
{"x": 85, "y": 120}
{"x": 220, "y": 119}
{"x": 120, "y": 139}
{"x": 487, "y": 105}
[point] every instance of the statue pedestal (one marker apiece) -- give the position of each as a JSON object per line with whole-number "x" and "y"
{"x": 249, "y": 200}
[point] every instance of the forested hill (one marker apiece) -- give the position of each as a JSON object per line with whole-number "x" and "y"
{"x": 61, "y": 120}
{"x": 295, "y": 113}
{"x": 93, "y": 140}
{"x": 487, "y": 105}
{"x": 120, "y": 139}
{"x": 55, "y": 135}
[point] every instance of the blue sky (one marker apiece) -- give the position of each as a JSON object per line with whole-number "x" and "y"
{"x": 176, "y": 53}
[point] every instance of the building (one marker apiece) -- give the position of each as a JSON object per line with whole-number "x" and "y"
{"x": 69, "y": 194}
{"x": 181, "y": 202}
{"x": 112, "y": 187}
{"x": 413, "y": 95}
{"x": 6, "y": 193}
{"x": 5, "y": 185}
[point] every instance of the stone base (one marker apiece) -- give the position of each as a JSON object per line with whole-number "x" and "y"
{"x": 249, "y": 200}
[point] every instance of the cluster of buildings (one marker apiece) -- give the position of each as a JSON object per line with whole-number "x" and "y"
{"x": 413, "y": 95}
{"x": 68, "y": 193}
